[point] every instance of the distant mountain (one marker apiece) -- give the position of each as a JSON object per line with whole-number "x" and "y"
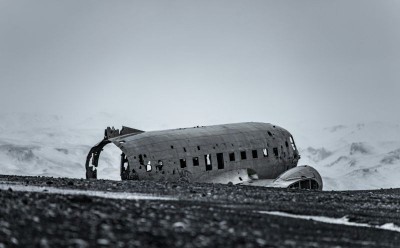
{"x": 360, "y": 156}
{"x": 41, "y": 145}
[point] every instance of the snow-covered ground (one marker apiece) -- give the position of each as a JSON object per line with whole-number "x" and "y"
{"x": 359, "y": 156}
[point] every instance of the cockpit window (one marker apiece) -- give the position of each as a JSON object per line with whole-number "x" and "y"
{"x": 305, "y": 184}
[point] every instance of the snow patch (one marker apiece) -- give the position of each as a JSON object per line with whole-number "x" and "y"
{"x": 102, "y": 194}
{"x": 318, "y": 154}
{"x": 335, "y": 128}
{"x": 392, "y": 157}
{"x": 359, "y": 147}
{"x": 336, "y": 221}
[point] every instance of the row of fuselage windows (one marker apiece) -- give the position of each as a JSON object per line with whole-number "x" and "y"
{"x": 220, "y": 158}
{"x": 216, "y": 145}
{"x": 232, "y": 155}
{"x": 208, "y": 160}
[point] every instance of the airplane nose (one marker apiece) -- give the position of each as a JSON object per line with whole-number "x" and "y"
{"x": 300, "y": 177}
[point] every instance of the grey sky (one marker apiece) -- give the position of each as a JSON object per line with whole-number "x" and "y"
{"x": 183, "y": 63}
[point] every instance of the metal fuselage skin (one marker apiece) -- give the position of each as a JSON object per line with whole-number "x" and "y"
{"x": 201, "y": 153}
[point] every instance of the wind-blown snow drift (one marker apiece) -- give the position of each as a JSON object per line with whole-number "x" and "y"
{"x": 361, "y": 156}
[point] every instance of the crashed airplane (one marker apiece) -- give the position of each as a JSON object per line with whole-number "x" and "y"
{"x": 259, "y": 154}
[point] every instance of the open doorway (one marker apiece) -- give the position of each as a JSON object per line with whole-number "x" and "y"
{"x": 109, "y": 166}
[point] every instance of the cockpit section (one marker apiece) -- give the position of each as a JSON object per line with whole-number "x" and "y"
{"x": 305, "y": 184}
{"x": 300, "y": 177}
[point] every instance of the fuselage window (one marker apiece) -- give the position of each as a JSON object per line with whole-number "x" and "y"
{"x": 148, "y": 167}
{"x": 141, "y": 161}
{"x": 159, "y": 165}
{"x": 182, "y": 161}
{"x": 232, "y": 156}
{"x": 195, "y": 161}
{"x": 172, "y": 147}
{"x": 254, "y": 153}
{"x": 275, "y": 150}
{"x": 265, "y": 152}
{"x": 286, "y": 144}
{"x": 220, "y": 160}
{"x": 207, "y": 159}
{"x": 269, "y": 133}
{"x": 124, "y": 161}
{"x": 243, "y": 155}
{"x": 198, "y": 148}
{"x": 184, "y": 149}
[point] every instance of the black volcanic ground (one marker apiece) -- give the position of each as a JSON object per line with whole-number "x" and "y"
{"x": 199, "y": 215}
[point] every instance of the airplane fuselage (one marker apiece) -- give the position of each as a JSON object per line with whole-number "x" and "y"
{"x": 201, "y": 154}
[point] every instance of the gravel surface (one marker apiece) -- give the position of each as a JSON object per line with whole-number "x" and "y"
{"x": 193, "y": 215}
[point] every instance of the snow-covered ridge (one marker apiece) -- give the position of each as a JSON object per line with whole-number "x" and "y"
{"x": 359, "y": 156}
{"x": 42, "y": 145}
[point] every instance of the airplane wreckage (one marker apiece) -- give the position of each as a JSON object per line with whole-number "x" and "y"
{"x": 259, "y": 154}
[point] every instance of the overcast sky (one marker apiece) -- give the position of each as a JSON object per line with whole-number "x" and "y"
{"x": 185, "y": 63}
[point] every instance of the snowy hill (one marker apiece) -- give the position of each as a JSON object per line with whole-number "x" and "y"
{"x": 40, "y": 145}
{"x": 361, "y": 156}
